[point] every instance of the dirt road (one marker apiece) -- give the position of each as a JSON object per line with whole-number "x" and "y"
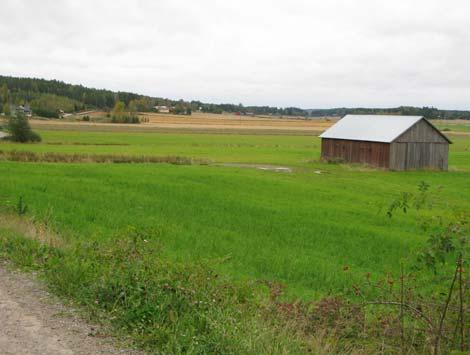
{"x": 33, "y": 322}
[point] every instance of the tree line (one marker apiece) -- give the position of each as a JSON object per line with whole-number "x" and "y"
{"x": 427, "y": 112}
{"x": 49, "y": 97}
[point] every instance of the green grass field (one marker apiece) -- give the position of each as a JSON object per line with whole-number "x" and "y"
{"x": 299, "y": 228}
{"x": 456, "y": 127}
{"x": 188, "y": 258}
{"x": 268, "y": 149}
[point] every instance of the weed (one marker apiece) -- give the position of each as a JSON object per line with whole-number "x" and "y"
{"x": 21, "y": 206}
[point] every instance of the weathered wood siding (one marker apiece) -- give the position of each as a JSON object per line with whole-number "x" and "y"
{"x": 419, "y": 155}
{"x": 419, "y": 147}
{"x": 398, "y": 156}
{"x": 373, "y": 153}
{"x": 423, "y": 132}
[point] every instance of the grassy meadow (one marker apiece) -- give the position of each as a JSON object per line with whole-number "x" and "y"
{"x": 300, "y": 228}
{"x": 318, "y": 230}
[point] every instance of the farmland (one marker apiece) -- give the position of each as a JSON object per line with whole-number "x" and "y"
{"x": 197, "y": 122}
{"x": 300, "y": 228}
{"x": 318, "y": 230}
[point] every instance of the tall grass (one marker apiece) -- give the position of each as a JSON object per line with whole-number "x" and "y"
{"x": 28, "y": 157}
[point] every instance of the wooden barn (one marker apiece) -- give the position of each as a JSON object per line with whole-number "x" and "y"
{"x": 391, "y": 142}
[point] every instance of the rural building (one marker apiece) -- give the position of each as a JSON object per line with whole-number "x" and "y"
{"x": 26, "y": 110}
{"x": 391, "y": 142}
{"x": 162, "y": 109}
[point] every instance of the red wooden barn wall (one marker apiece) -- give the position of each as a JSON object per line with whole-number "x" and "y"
{"x": 373, "y": 153}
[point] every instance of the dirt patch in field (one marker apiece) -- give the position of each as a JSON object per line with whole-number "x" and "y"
{"x": 266, "y": 167}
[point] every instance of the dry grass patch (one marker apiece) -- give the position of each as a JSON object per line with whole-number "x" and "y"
{"x": 31, "y": 229}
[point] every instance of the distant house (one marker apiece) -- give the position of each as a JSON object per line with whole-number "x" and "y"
{"x": 162, "y": 109}
{"x": 243, "y": 113}
{"x": 392, "y": 142}
{"x": 25, "y": 109}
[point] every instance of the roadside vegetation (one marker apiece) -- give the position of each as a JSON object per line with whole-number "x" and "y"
{"x": 189, "y": 307}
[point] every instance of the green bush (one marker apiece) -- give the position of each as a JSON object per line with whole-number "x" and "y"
{"x": 20, "y": 130}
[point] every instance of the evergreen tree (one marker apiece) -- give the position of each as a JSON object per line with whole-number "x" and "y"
{"x": 20, "y": 130}
{"x": 5, "y": 93}
{"x": 5, "y": 102}
{"x": 6, "y": 109}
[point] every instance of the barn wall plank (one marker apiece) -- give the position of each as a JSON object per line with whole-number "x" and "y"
{"x": 397, "y": 156}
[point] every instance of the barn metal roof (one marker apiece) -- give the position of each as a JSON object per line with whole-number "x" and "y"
{"x": 373, "y": 128}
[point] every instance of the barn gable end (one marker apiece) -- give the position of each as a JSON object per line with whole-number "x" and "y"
{"x": 421, "y": 146}
{"x": 422, "y": 131}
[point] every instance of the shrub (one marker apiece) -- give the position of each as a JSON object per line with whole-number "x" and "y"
{"x": 20, "y": 130}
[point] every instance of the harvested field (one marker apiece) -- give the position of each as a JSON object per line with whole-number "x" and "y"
{"x": 199, "y": 122}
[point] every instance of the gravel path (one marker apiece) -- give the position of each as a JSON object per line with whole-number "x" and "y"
{"x": 34, "y": 322}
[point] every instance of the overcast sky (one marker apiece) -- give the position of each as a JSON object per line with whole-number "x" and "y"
{"x": 311, "y": 54}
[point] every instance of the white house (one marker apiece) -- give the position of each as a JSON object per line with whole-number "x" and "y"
{"x": 162, "y": 109}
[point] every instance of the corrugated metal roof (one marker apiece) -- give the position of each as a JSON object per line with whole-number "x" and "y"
{"x": 373, "y": 128}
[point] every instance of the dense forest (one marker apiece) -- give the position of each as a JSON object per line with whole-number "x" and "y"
{"x": 50, "y": 97}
